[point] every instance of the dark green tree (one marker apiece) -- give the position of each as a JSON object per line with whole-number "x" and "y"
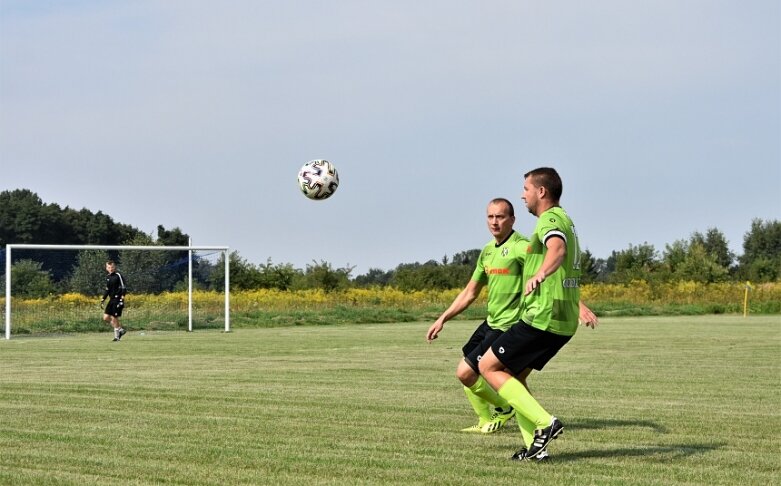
{"x": 428, "y": 276}
{"x": 468, "y": 258}
{"x": 278, "y": 276}
{"x": 29, "y": 279}
{"x": 175, "y": 267}
{"x": 761, "y": 259}
{"x": 700, "y": 266}
{"x": 701, "y": 259}
{"x": 142, "y": 269}
{"x": 25, "y": 218}
{"x": 588, "y": 268}
{"x": 89, "y": 272}
{"x": 374, "y": 277}
{"x": 716, "y": 245}
{"x": 323, "y": 276}
{"x": 674, "y": 256}
{"x": 173, "y": 237}
{"x": 635, "y": 263}
{"x": 243, "y": 275}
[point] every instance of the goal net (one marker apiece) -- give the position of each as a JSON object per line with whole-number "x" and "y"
{"x": 58, "y": 288}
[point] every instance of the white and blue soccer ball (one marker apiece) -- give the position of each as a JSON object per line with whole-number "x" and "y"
{"x": 318, "y": 179}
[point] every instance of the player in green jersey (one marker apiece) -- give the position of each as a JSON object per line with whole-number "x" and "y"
{"x": 549, "y": 310}
{"x": 500, "y": 267}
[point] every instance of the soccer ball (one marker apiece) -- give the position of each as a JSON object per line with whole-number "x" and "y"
{"x": 318, "y": 179}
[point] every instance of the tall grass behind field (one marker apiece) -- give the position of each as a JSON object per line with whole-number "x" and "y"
{"x": 271, "y": 308}
{"x": 265, "y": 308}
{"x": 685, "y": 298}
{"x": 79, "y": 313}
{"x": 645, "y": 401}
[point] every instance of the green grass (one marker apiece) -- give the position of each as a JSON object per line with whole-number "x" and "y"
{"x": 653, "y": 400}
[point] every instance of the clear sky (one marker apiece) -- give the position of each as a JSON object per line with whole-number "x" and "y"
{"x": 663, "y": 118}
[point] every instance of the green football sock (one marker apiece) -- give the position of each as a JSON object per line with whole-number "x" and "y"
{"x": 527, "y": 429}
{"x": 481, "y": 407}
{"x": 524, "y": 403}
{"x": 482, "y": 389}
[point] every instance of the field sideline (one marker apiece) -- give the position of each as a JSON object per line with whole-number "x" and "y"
{"x": 648, "y": 400}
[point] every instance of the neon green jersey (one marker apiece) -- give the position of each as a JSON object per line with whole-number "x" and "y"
{"x": 501, "y": 267}
{"x": 553, "y": 306}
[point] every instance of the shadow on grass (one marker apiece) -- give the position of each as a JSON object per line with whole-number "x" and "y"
{"x": 593, "y": 424}
{"x": 650, "y": 452}
{"x": 666, "y": 452}
{"x": 657, "y": 452}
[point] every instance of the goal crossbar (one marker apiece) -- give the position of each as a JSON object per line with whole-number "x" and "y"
{"x": 190, "y": 249}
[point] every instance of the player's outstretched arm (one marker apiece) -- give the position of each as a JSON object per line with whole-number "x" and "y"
{"x": 463, "y": 300}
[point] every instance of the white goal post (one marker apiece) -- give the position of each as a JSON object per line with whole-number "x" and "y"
{"x": 190, "y": 249}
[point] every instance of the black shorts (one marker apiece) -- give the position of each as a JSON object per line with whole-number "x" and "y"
{"x": 479, "y": 343}
{"x": 524, "y": 346}
{"x": 114, "y": 307}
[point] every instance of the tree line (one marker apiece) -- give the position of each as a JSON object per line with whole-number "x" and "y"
{"x": 24, "y": 218}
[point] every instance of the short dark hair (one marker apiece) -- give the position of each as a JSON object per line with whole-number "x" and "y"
{"x": 548, "y": 178}
{"x": 498, "y": 200}
{"x": 110, "y": 262}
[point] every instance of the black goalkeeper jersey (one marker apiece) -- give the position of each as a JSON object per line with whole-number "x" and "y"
{"x": 115, "y": 286}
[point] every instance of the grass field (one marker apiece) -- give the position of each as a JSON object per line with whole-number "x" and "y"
{"x": 653, "y": 400}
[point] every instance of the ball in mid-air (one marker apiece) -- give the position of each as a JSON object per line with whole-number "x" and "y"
{"x": 318, "y": 179}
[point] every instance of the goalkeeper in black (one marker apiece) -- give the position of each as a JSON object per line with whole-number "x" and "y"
{"x": 115, "y": 291}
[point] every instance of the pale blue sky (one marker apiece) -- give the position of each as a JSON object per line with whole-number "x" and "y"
{"x": 663, "y": 117}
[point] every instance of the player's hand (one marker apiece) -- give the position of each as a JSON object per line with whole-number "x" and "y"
{"x": 534, "y": 282}
{"x": 434, "y": 330}
{"x": 587, "y": 317}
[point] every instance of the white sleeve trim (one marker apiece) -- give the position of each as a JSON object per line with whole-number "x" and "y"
{"x": 554, "y": 233}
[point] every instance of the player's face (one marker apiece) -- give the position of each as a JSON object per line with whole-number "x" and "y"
{"x": 110, "y": 268}
{"x": 500, "y": 223}
{"x": 531, "y": 195}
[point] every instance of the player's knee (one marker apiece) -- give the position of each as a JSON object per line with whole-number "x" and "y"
{"x": 466, "y": 375}
{"x": 487, "y": 364}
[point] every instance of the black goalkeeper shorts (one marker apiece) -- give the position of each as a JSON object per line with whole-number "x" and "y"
{"x": 114, "y": 307}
